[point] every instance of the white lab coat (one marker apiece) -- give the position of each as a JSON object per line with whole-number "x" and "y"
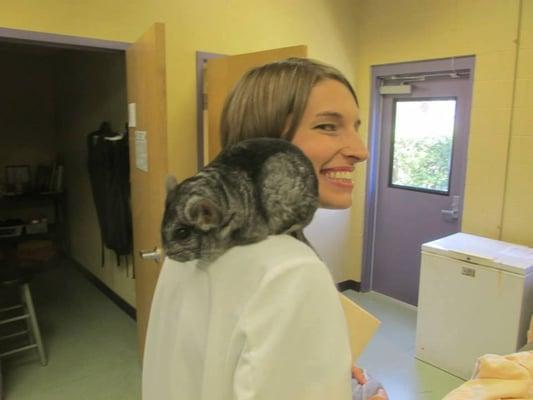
{"x": 263, "y": 322}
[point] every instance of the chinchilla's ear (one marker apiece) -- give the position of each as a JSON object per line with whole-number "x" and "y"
{"x": 203, "y": 213}
{"x": 170, "y": 182}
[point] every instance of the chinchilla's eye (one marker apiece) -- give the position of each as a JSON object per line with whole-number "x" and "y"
{"x": 182, "y": 233}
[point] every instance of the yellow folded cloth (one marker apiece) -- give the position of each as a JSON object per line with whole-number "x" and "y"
{"x": 499, "y": 377}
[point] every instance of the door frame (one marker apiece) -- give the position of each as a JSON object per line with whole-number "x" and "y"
{"x": 57, "y": 40}
{"x": 430, "y": 67}
{"x": 201, "y": 59}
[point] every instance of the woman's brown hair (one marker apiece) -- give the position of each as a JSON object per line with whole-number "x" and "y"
{"x": 270, "y": 100}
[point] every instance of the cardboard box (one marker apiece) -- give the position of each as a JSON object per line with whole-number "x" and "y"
{"x": 36, "y": 227}
{"x": 10, "y": 231}
{"x": 36, "y": 250}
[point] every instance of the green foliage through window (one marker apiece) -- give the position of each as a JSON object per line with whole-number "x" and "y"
{"x": 422, "y": 162}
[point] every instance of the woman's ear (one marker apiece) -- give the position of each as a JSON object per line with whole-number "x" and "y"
{"x": 170, "y": 182}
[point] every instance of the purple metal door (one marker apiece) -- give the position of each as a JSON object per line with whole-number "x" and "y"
{"x": 420, "y": 185}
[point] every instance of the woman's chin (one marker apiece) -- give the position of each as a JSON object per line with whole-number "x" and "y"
{"x": 335, "y": 202}
{"x": 335, "y": 194}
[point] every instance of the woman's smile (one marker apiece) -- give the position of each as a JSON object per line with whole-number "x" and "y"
{"x": 342, "y": 177}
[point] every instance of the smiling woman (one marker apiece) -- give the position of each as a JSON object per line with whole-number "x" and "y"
{"x": 264, "y": 319}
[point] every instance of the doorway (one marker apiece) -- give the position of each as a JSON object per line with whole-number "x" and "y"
{"x": 57, "y": 95}
{"x": 54, "y": 94}
{"x": 418, "y": 144}
{"x": 147, "y": 120}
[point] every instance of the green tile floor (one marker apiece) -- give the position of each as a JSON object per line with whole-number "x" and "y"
{"x": 389, "y": 357}
{"x": 92, "y": 347}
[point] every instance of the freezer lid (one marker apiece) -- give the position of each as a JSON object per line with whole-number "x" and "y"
{"x": 484, "y": 251}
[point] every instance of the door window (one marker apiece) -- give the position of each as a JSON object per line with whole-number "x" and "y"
{"x": 422, "y": 142}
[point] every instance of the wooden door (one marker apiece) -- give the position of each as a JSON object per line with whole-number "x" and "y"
{"x": 145, "y": 66}
{"x": 221, "y": 75}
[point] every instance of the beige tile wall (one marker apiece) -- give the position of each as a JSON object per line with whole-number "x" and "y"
{"x": 518, "y": 209}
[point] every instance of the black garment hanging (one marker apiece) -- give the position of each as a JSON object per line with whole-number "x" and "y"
{"x": 109, "y": 172}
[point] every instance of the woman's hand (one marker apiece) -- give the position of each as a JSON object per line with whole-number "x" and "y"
{"x": 380, "y": 395}
{"x": 357, "y": 374}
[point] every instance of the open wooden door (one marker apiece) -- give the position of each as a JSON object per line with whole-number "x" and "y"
{"x": 145, "y": 68}
{"x": 221, "y": 75}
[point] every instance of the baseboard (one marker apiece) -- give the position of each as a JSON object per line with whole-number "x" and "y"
{"x": 115, "y": 298}
{"x": 349, "y": 285}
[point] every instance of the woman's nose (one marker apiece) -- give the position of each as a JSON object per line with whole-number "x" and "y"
{"x": 355, "y": 148}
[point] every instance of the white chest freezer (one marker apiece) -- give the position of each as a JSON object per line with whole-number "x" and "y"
{"x": 475, "y": 298}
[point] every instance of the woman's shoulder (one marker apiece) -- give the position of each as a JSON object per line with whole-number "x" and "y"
{"x": 280, "y": 257}
{"x": 276, "y": 254}
{"x": 275, "y": 249}
{"x": 287, "y": 243}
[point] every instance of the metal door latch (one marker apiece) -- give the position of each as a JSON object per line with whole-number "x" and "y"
{"x": 154, "y": 254}
{"x": 453, "y": 212}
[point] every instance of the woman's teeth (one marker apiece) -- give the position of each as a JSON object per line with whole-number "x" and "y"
{"x": 344, "y": 175}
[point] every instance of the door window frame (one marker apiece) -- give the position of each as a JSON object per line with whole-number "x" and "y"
{"x": 379, "y": 73}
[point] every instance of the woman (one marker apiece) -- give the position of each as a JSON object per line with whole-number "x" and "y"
{"x": 264, "y": 320}
{"x": 310, "y": 104}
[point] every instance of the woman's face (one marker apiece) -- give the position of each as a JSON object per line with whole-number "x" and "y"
{"x": 328, "y": 135}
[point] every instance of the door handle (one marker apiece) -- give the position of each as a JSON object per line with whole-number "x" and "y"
{"x": 453, "y": 212}
{"x": 154, "y": 254}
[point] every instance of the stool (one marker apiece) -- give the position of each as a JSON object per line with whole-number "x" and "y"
{"x": 19, "y": 279}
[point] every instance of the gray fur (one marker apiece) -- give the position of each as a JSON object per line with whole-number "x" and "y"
{"x": 256, "y": 188}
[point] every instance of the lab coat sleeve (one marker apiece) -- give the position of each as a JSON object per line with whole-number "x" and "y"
{"x": 296, "y": 343}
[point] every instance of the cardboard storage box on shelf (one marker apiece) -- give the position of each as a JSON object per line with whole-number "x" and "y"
{"x": 36, "y": 250}
{"x": 10, "y": 231}
{"x": 36, "y": 226}
{"x": 11, "y": 228}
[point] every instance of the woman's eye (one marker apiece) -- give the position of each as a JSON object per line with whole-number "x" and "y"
{"x": 327, "y": 127}
{"x": 182, "y": 233}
